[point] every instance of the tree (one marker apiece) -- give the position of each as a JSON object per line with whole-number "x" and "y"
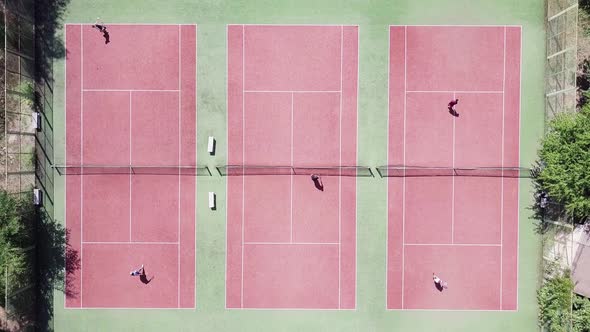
{"x": 559, "y": 309}
{"x": 555, "y": 303}
{"x": 581, "y": 314}
{"x": 564, "y": 159}
{"x": 16, "y": 233}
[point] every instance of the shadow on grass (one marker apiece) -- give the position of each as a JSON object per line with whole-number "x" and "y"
{"x": 49, "y": 46}
{"x": 57, "y": 261}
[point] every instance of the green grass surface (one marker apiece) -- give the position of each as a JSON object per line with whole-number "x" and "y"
{"x": 373, "y": 17}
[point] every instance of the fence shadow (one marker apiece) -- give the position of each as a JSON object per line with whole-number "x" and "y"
{"x": 56, "y": 261}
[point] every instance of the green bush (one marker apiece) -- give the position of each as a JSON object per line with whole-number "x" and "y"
{"x": 16, "y": 233}
{"x": 559, "y": 309}
{"x": 564, "y": 160}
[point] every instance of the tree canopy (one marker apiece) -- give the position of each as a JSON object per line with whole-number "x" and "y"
{"x": 16, "y": 233}
{"x": 564, "y": 159}
{"x": 559, "y": 309}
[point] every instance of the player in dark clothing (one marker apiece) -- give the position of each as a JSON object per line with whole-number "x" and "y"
{"x": 102, "y": 28}
{"x": 451, "y": 107}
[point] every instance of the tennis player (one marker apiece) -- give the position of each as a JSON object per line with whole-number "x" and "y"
{"x": 138, "y": 272}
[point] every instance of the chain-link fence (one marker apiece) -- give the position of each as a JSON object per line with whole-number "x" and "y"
{"x": 555, "y": 225}
{"x": 561, "y": 64}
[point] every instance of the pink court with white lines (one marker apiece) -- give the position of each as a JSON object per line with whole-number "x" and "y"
{"x": 292, "y": 101}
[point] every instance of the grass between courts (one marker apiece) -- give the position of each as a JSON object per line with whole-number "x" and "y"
{"x": 373, "y": 18}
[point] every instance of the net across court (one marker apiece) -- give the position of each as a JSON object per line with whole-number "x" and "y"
{"x": 292, "y": 112}
{"x": 453, "y": 204}
{"x": 131, "y": 106}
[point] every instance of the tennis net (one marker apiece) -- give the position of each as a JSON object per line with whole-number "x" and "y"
{"x": 129, "y": 169}
{"x": 241, "y": 170}
{"x": 425, "y": 171}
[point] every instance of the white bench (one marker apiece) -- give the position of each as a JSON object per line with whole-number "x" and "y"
{"x": 211, "y": 200}
{"x": 211, "y": 145}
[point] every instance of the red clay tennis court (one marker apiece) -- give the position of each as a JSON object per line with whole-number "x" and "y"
{"x": 464, "y": 229}
{"x": 292, "y": 101}
{"x": 131, "y": 102}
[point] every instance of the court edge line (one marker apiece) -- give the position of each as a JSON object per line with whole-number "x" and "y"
{"x": 293, "y": 25}
{"x": 404, "y": 153}
{"x": 131, "y": 242}
{"x": 502, "y": 179}
{"x": 194, "y": 213}
{"x": 243, "y": 157}
{"x": 340, "y": 178}
{"x": 454, "y": 244}
{"x": 65, "y": 182}
{"x": 288, "y": 309}
{"x": 227, "y": 157}
{"x": 454, "y": 91}
{"x": 453, "y": 180}
{"x": 178, "y": 236}
{"x": 130, "y": 163}
{"x": 519, "y": 181}
{"x": 293, "y": 91}
{"x": 358, "y": 57}
{"x": 291, "y": 176}
{"x": 290, "y": 243}
{"x": 129, "y": 23}
{"x": 82, "y": 159}
{"x": 455, "y": 25}
{"x": 454, "y": 310}
{"x": 387, "y": 161}
{"x": 131, "y": 90}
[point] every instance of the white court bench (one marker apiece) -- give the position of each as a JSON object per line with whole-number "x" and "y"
{"x": 211, "y": 200}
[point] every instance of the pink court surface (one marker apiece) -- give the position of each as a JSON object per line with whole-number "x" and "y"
{"x": 464, "y": 229}
{"x": 131, "y": 102}
{"x": 292, "y": 101}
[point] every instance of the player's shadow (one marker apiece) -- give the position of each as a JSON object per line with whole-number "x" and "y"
{"x": 453, "y": 113}
{"x": 318, "y": 184}
{"x": 144, "y": 279}
{"x": 439, "y": 287}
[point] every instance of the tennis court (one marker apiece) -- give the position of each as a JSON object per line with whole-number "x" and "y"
{"x": 463, "y": 228}
{"x": 292, "y": 101}
{"x": 131, "y": 104}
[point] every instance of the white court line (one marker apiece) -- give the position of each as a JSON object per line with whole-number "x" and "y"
{"x": 453, "y": 183}
{"x": 404, "y": 153}
{"x": 453, "y": 91}
{"x": 129, "y": 23}
{"x": 291, "y": 243}
{"x": 179, "y": 151}
{"x": 194, "y": 213}
{"x": 129, "y": 308}
{"x": 340, "y": 178}
{"x": 130, "y": 163}
{"x": 130, "y": 90}
{"x": 454, "y": 310}
{"x": 82, "y": 162}
{"x": 228, "y": 149}
{"x": 455, "y": 25}
{"x": 502, "y": 180}
{"x": 291, "y": 176}
{"x": 243, "y": 158}
{"x": 130, "y": 242}
{"x": 289, "y": 309}
{"x": 518, "y": 180}
{"x": 387, "y": 161}
{"x": 65, "y": 148}
{"x": 453, "y": 244}
{"x": 295, "y": 25}
{"x": 358, "y": 59}
{"x": 293, "y": 91}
